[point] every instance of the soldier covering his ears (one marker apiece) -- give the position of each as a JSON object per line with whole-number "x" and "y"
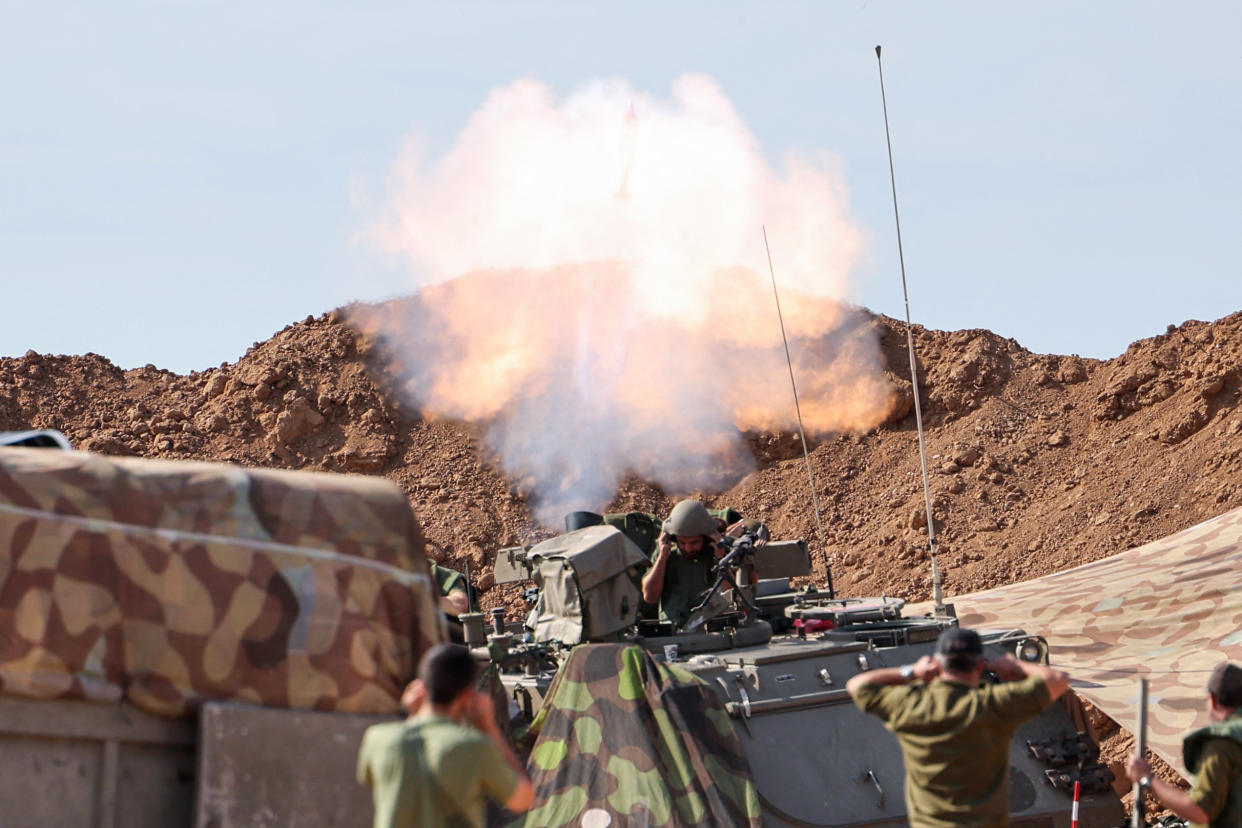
{"x": 954, "y": 733}
{"x": 690, "y": 543}
{"x": 441, "y": 765}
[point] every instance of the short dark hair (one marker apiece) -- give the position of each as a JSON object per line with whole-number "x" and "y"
{"x": 448, "y": 670}
{"x": 1225, "y": 685}
{"x": 960, "y": 649}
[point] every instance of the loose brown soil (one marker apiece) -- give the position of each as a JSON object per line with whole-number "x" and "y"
{"x": 1037, "y": 462}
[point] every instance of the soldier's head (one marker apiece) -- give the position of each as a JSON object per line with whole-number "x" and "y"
{"x": 960, "y": 651}
{"x": 690, "y": 545}
{"x": 448, "y": 672}
{"x": 1225, "y": 690}
{"x": 690, "y": 524}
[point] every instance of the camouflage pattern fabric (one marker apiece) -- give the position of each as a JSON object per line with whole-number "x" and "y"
{"x": 627, "y": 740}
{"x": 1168, "y": 611}
{"x": 170, "y": 583}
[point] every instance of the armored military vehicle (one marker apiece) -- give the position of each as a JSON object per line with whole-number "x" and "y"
{"x": 777, "y": 660}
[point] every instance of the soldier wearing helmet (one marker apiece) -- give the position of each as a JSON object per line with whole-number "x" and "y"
{"x": 690, "y": 542}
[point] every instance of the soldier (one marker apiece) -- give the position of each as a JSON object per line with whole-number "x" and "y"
{"x": 1213, "y": 754}
{"x": 732, "y": 524}
{"x": 677, "y": 578}
{"x": 454, "y": 598}
{"x": 954, "y": 734}
{"x": 442, "y": 764}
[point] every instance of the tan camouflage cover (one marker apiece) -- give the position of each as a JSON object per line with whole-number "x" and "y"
{"x": 171, "y": 583}
{"x": 1169, "y": 611}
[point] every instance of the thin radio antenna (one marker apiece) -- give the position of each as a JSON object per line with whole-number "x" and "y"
{"x": 937, "y": 594}
{"x": 806, "y": 452}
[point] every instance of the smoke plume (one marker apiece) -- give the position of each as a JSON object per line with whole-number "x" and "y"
{"x": 591, "y": 283}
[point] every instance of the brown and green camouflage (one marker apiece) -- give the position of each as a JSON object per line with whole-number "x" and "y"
{"x": 625, "y": 740}
{"x": 171, "y": 583}
{"x": 1168, "y": 611}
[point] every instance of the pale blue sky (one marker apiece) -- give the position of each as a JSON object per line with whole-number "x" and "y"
{"x": 176, "y": 178}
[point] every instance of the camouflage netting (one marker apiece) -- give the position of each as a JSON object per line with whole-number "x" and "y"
{"x": 170, "y": 583}
{"x": 1168, "y": 611}
{"x": 628, "y": 740}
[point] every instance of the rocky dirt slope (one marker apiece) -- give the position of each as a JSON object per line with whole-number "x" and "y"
{"x": 1037, "y": 462}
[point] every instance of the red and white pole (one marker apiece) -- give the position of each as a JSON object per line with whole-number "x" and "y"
{"x": 1074, "y": 813}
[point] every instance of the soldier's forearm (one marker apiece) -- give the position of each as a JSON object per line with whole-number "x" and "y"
{"x": 1178, "y": 801}
{"x": 1056, "y": 680}
{"x": 882, "y": 675}
{"x": 502, "y": 744}
{"x": 653, "y": 581}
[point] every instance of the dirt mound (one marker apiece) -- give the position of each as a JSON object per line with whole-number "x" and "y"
{"x": 1037, "y": 462}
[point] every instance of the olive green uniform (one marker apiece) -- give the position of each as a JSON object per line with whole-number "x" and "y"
{"x": 1214, "y": 755}
{"x": 955, "y": 742}
{"x": 432, "y": 771}
{"x": 447, "y": 580}
{"x": 684, "y": 582}
{"x": 685, "y": 579}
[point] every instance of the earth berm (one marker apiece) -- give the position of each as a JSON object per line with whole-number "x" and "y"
{"x": 1038, "y": 462}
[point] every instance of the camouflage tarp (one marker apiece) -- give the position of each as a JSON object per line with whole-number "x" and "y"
{"x": 627, "y": 740}
{"x": 169, "y": 583}
{"x": 1169, "y": 611}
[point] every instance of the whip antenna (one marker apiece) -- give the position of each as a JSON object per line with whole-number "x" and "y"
{"x": 806, "y": 452}
{"x": 1140, "y": 748}
{"x": 937, "y": 595}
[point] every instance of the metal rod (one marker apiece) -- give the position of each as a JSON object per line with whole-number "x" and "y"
{"x": 761, "y": 706}
{"x": 806, "y": 452}
{"x": 937, "y": 594}
{"x": 1140, "y": 747}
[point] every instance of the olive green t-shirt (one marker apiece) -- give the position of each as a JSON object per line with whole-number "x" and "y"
{"x": 955, "y": 742}
{"x": 684, "y": 581}
{"x": 447, "y": 580}
{"x": 1220, "y": 767}
{"x": 432, "y": 771}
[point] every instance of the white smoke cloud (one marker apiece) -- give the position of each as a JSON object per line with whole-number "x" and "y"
{"x": 593, "y": 285}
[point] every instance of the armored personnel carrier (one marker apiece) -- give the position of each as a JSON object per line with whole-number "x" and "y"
{"x": 777, "y": 660}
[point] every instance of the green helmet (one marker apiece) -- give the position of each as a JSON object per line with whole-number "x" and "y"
{"x": 688, "y": 519}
